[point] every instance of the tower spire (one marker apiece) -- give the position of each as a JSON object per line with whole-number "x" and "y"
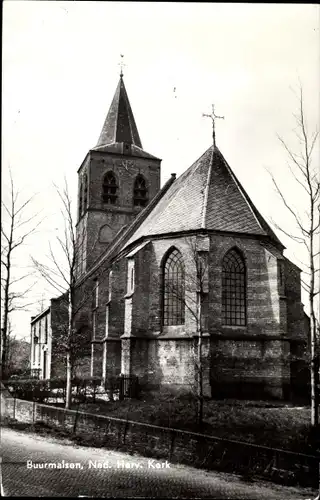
{"x": 213, "y": 117}
{"x": 119, "y": 125}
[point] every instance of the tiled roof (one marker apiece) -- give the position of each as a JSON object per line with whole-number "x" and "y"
{"x": 206, "y": 196}
{"x": 120, "y": 128}
{"x": 119, "y": 125}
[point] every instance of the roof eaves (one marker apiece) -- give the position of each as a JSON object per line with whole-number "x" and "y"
{"x": 40, "y": 315}
{"x": 137, "y": 249}
{"x": 293, "y": 264}
{"x": 84, "y": 161}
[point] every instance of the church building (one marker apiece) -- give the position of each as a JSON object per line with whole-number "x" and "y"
{"x": 159, "y": 267}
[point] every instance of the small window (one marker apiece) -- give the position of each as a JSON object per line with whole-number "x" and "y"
{"x": 130, "y": 276}
{"x": 80, "y": 198}
{"x": 110, "y": 285}
{"x": 46, "y": 330}
{"x": 85, "y": 192}
{"x": 109, "y": 188}
{"x": 95, "y": 295}
{"x": 140, "y": 192}
{"x": 35, "y": 341}
{"x": 281, "y": 277}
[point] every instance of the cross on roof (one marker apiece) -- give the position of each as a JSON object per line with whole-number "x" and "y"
{"x": 213, "y": 117}
{"x": 121, "y": 64}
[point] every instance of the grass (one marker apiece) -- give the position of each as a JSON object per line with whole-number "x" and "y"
{"x": 270, "y": 424}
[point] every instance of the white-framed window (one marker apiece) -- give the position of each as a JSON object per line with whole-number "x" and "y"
{"x": 107, "y": 321}
{"x": 35, "y": 341}
{"x": 110, "y": 285}
{"x": 96, "y": 294}
{"x": 45, "y": 340}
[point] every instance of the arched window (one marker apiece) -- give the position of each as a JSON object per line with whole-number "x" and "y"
{"x": 140, "y": 192}
{"x": 85, "y": 191}
{"x": 109, "y": 188}
{"x": 233, "y": 289}
{"x": 173, "y": 289}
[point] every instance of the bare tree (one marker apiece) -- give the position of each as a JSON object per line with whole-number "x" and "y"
{"x": 192, "y": 295}
{"x": 307, "y": 223}
{"x": 16, "y": 228}
{"x": 71, "y": 339}
{"x": 61, "y": 275}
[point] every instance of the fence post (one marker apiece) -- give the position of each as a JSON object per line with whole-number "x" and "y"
{"x": 33, "y": 410}
{"x": 76, "y": 419}
{"x": 14, "y": 407}
{"x": 173, "y": 436}
{"x": 121, "y": 388}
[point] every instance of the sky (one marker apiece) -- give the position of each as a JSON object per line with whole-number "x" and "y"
{"x": 61, "y": 68}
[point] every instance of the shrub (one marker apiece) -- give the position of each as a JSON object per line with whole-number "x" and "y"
{"x": 30, "y": 389}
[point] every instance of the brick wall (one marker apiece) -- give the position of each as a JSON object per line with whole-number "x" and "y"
{"x": 254, "y": 356}
{"x": 174, "y": 445}
{"x": 295, "y": 313}
{"x": 250, "y": 368}
{"x": 105, "y": 221}
{"x": 273, "y": 315}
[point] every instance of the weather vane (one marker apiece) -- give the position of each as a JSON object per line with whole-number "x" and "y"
{"x": 213, "y": 117}
{"x": 121, "y": 64}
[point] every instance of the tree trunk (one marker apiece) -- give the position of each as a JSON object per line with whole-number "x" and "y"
{"x": 314, "y": 368}
{"x": 200, "y": 382}
{"x": 68, "y": 356}
{"x": 314, "y": 374}
{"x": 199, "y": 362}
{"x": 5, "y": 319}
{"x": 69, "y": 381}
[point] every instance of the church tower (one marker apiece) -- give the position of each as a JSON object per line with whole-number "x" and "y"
{"x": 117, "y": 179}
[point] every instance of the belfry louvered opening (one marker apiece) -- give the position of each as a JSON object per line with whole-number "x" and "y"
{"x": 140, "y": 192}
{"x": 109, "y": 188}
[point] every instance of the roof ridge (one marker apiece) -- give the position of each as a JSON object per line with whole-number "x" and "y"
{"x": 117, "y": 112}
{"x": 206, "y": 194}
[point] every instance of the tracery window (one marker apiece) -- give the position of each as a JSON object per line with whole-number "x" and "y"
{"x": 173, "y": 289}
{"x": 109, "y": 188}
{"x": 233, "y": 289}
{"x": 140, "y": 192}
